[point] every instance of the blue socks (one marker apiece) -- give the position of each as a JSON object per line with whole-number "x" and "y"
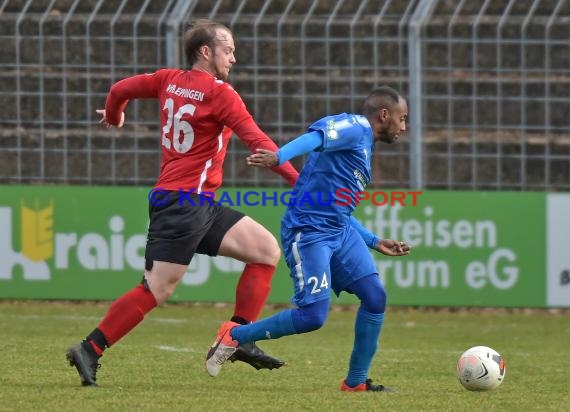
{"x": 287, "y": 322}
{"x": 366, "y": 333}
{"x": 273, "y": 327}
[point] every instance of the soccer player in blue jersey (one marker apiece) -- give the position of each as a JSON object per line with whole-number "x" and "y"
{"x": 324, "y": 246}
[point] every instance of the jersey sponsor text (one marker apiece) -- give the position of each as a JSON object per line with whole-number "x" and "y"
{"x": 187, "y": 93}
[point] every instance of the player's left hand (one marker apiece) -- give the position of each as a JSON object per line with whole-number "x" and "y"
{"x": 263, "y": 158}
{"x": 391, "y": 247}
{"x": 104, "y": 121}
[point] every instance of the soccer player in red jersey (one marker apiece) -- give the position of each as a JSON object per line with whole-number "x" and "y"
{"x": 198, "y": 112}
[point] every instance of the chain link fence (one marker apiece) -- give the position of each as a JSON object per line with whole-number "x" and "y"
{"x": 488, "y": 85}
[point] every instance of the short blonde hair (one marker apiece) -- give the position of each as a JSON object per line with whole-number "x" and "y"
{"x": 200, "y": 33}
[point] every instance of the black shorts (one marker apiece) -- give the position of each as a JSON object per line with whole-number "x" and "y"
{"x": 178, "y": 229}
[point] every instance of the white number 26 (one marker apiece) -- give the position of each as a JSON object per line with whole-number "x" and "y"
{"x": 183, "y": 134}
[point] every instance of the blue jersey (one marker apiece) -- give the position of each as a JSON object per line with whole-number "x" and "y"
{"x": 325, "y": 193}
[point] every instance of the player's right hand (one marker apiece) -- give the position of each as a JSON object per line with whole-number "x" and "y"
{"x": 104, "y": 119}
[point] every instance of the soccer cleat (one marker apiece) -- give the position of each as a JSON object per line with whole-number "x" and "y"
{"x": 250, "y": 353}
{"x": 222, "y": 348}
{"x": 364, "y": 387}
{"x": 85, "y": 361}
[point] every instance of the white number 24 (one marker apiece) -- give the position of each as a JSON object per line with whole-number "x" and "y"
{"x": 183, "y": 143}
{"x": 315, "y": 282}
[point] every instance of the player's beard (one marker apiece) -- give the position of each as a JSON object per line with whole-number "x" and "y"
{"x": 388, "y": 138}
{"x": 221, "y": 75}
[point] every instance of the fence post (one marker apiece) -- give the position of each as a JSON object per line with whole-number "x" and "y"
{"x": 421, "y": 14}
{"x": 179, "y": 12}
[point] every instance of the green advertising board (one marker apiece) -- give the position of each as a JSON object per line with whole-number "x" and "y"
{"x": 66, "y": 242}
{"x": 470, "y": 248}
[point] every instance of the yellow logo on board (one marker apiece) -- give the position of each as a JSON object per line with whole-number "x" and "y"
{"x": 37, "y": 231}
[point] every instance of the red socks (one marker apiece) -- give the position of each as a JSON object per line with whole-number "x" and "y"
{"x": 252, "y": 290}
{"x": 128, "y": 311}
{"x": 125, "y": 313}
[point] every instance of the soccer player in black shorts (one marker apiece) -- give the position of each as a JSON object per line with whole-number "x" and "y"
{"x": 199, "y": 111}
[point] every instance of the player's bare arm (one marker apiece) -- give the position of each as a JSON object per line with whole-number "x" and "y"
{"x": 263, "y": 158}
{"x": 391, "y": 247}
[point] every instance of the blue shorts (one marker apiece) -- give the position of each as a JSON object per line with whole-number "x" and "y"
{"x": 321, "y": 261}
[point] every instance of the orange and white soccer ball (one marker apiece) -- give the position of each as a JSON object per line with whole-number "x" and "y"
{"x": 481, "y": 368}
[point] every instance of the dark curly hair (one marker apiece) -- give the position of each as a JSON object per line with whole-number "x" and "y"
{"x": 383, "y": 97}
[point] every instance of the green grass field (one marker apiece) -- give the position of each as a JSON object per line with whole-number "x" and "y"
{"x": 159, "y": 367}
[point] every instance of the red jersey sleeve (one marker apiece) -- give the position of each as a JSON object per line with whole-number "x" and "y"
{"x": 142, "y": 86}
{"x": 234, "y": 114}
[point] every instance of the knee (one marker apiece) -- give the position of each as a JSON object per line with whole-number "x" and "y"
{"x": 161, "y": 294}
{"x": 317, "y": 320}
{"x": 161, "y": 291}
{"x": 271, "y": 253}
{"x": 371, "y": 293}
{"x": 309, "y": 319}
{"x": 264, "y": 250}
{"x": 376, "y": 301}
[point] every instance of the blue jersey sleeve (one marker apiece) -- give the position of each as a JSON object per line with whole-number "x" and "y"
{"x": 369, "y": 238}
{"x": 299, "y": 146}
{"x": 341, "y": 132}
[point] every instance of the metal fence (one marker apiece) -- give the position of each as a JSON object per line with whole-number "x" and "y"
{"x": 495, "y": 94}
{"x": 488, "y": 84}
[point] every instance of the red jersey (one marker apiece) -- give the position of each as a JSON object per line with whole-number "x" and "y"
{"x": 198, "y": 113}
